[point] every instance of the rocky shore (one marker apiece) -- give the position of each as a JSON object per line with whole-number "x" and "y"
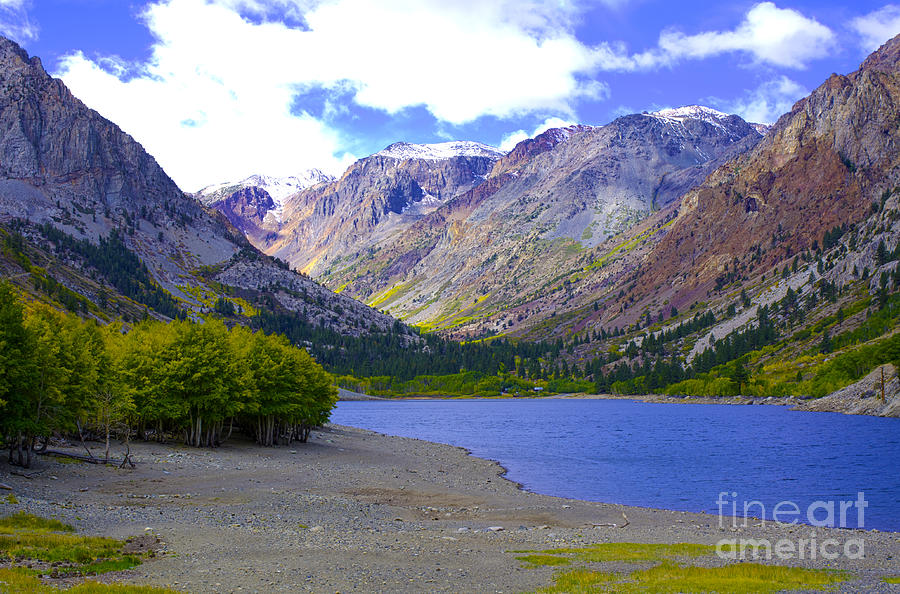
{"x": 356, "y": 511}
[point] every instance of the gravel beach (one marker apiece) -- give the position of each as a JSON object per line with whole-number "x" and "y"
{"x": 356, "y": 511}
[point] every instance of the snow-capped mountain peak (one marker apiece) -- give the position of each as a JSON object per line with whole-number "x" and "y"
{"x": 279, "y": 188}
{"x": 695, "y": 112}
{"x": 439, "y": 151}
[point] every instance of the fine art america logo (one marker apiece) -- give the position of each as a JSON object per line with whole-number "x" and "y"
{"x": 818, "y": 514}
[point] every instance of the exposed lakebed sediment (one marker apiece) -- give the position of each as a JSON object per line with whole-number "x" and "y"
{"x": 358, "y": 511}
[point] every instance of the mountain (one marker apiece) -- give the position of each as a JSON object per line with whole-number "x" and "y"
{"x": 446, "y": 235}
{"x": 255, "y": 204}
{"x": 375, "y": 199}
{"x": 815, "y": 175}
{"x": 277, "y": 188}
{"x": 70, "y": 180}
{"x": 777, "y": 275}
{"x": 405, "y": 151}
{"x": 821, "y": 166}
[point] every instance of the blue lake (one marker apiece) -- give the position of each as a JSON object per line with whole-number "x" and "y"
{"x": 671, "y": 456}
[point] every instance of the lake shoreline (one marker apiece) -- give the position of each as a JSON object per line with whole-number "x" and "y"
{"x": 847, "y": 401}
{"x": 354, "y": 510}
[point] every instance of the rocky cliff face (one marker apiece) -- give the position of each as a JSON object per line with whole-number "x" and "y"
{"x": 246, "y": 209}
{"x": 225, "y": 197}
{"x": 54, "y": 147}
{"x": 376, "y": 198}
{"x": 63, "y": 164}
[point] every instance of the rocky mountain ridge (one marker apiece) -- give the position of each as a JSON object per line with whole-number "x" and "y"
{"x": 822, "y": 165}
{"x": 530, "y": 217}
{"x": 439, "y": 151}
{"x": 278, "y": 189}
{"x": 829, "y": 167}
{"x": 436, "y": 212}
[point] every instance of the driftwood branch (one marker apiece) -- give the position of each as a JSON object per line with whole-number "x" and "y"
{"x": 5, "y": 486}
{"x": 27, "y": 475}
{"x": 127, "y": 458}
{"x": 89, "y": 460}
{"x": 627, "y": 522}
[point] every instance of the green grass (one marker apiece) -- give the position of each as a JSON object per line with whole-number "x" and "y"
{"x": 53, "y": 547}
{"x": 668, "y": 577}
{"x": 671, "y": 571}
{"x": 892, "y": 580}
{"x": 13, "y": 580}
{"x": 24, "y": 522}
{"x": 26, "y": 540}
{"x": 634, "y": 552}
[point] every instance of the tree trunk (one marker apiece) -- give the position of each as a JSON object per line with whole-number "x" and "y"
{"x": 29, "y": 445}
{"x": 107, "y": 440}
{"x": 81, "y": 437}
{"x": 20, "y": 457}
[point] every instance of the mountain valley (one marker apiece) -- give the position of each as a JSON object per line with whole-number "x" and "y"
{"x": 662, "y": 251}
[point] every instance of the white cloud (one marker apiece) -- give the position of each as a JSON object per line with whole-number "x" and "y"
{"x": 14, "y": 21}
{"x": 780, "y": 37}
{"x": 215, "y": 101}
{"x": 510, "y": 140}
{"x": 877, "y": 27}
{"x": 768, "y": 102}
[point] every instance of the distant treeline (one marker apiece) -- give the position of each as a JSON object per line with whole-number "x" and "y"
{"x": 403, "y": 357}
{"x": 59, "y": 373}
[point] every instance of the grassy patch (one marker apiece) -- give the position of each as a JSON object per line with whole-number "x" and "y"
{"x": 390, "y": 294}
{"x": 625, "y": 246}
{"x": 668, "y": 577}
{"x": 13, "y": 580}
{"x": 635, "y": 552}
{"x": 24, "y": 522}
{"x": 52, "y": 547}
{"x": 581, "y": 580}
{"x": 892, "y": 580}
{"x": 671, "y": 571}
{"x": 49, "y": 546}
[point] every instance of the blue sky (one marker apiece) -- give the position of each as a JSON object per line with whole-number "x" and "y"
{"x": 219, "y": 89}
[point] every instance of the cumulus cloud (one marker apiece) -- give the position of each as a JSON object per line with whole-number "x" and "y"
{"x": 770, "y": 35}
{"x": 218, "y": 98}
{"x": 877, "y": 27}
{"x": 221, "y": 100}
{"x": 768, "y": 102}
{"x": 14, "y": 21}
{"x": 510, "y": 140}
